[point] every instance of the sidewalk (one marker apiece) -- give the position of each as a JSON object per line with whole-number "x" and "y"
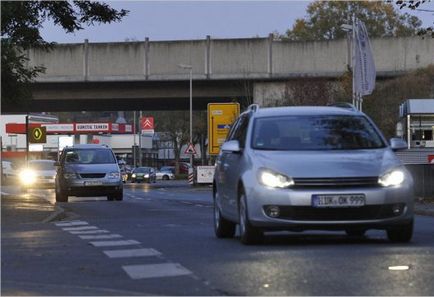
{"x": 26, "y": 208}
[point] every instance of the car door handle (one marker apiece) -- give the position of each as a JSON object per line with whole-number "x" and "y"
{"x": 225, "y": 166}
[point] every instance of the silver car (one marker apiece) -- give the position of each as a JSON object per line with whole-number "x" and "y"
{"x": 310, "y": 168}
{"x": 88, "y": 170}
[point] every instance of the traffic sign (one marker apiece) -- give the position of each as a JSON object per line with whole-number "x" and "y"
{"x": 220, "y": 118}
{"x": 147, "y": 123}
{"x": 37, "y": 135}
{"x": 190, "y": 149}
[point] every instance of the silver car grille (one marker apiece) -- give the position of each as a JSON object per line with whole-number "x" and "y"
{"x": 92, "y": 175}
{"x": 370, "y": 181}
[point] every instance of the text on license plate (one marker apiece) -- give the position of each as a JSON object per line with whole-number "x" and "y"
{"x": 92, "y": 183}
{"x": 346, "y": 200}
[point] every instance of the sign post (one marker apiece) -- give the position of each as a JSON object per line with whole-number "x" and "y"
{"x": 220, "y": 118}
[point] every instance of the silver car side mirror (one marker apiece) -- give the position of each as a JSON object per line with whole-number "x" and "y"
{"x": 232, "y": 146}
{"x": 398, "y": 144}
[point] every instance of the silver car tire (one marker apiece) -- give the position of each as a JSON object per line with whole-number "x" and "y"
{"x": 248, "y": 233}
{"x": 222, "y": 227}
{"x": 402, "y": 233}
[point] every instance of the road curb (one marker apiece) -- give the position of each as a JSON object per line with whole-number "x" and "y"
{"x": 424, "y": 212}
{"x": 58, "y": 215}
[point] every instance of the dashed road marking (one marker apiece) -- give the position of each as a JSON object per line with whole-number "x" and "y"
{"x": 155, "y": 270}
{"x": 132, "y": 253}
{"x": 71, "y": 223}
{"x": 89, "y": 232}
{"x": 114, "y": 243}
{"x": 80, "y": 228}
{"x": 106, "y": 236}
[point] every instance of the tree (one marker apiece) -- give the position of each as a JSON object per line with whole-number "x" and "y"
{"x": 175, "y": 125}
{"x": 20, "y": 25}
{"x": 415, "y": 5}
{"x": 325, "y": 18}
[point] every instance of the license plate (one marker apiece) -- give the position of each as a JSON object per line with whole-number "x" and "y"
{"x": 92, "y": 183}
{"x": 345, "y": 200}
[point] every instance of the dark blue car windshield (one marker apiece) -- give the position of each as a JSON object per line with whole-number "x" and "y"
{"x": 315, "y": 133}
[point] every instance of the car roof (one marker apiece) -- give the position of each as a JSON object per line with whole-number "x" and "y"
{"x": 304, "y": 111}
{"x": 87, "y": 146}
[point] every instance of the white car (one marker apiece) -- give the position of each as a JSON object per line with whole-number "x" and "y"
{"x": 165, "y": 175}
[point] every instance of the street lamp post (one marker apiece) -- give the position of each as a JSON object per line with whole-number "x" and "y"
{"x": 190, "y": 68}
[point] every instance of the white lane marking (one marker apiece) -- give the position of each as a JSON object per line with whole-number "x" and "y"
{"x": 89, "y": 232}
{"x": 106, "y": 236}
{"x": 72, "y": 223}
{"x": 80, "y": 228}
{"x": 114, "y": 243}
{"x": 155, "y": 270}
{"x": 132, "y": 253}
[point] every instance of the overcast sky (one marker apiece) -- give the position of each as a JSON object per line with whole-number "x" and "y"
{"x": 175, "y": 20}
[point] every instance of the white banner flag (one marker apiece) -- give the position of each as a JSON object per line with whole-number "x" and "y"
{"x": 364, "y": 67}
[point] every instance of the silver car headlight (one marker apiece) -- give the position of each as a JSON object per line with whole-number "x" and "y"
{"x": 27, "y": 176}
{"x": 69, "y": 175}
{"x": 392, "y": 178}
{"x": 114, "y": 175}
{"x": 146, "y": 175}
{"x": 273, "y": 179}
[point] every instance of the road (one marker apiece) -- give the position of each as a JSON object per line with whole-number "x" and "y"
{"x": 160, "y": 241}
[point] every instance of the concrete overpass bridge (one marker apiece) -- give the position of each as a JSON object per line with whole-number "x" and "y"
{"x": 145, "y": 75}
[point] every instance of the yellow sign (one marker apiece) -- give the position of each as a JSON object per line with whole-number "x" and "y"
{"x": 38, "y": 135}
{"x": 221, "y": 116}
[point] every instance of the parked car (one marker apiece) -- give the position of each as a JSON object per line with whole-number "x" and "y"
{"x": 168, "y": 168}
{"x": 38, "y": 174}
{"x": 302, "y": 168}
{"x": 183, "y": 167}
{"x": 165, "y": 175}
{"x": 143, "y": 174}
{"x": 88, "y": 170}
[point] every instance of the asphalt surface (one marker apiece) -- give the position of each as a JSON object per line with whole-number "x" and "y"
{"x": 168, "y": 248}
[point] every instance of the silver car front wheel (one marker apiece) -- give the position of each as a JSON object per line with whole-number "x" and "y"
{"x": 222, "y": 227}
{"x": 248, "y": 233}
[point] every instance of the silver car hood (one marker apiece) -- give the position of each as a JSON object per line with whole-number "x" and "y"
{"x": 347, "y": 163}
{"x": 49, "y": 173}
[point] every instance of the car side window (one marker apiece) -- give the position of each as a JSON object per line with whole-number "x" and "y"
{"x": 240, "y": 132}
{"x": 232, "y": 130}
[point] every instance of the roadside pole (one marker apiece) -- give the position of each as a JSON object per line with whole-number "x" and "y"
{"x": 27, "y": 140}
{"x": 135, "y": 143}
{"x": 140, "y": 142}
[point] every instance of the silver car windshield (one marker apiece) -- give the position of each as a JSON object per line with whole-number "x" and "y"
{"x": 315, "y": 133}
{"x": 90, "y": 156}
{"x": 42, "y": 165}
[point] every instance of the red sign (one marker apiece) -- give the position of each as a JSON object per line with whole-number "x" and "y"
{"x": 431, "y": 159}
{"x": 147, "y": 123}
